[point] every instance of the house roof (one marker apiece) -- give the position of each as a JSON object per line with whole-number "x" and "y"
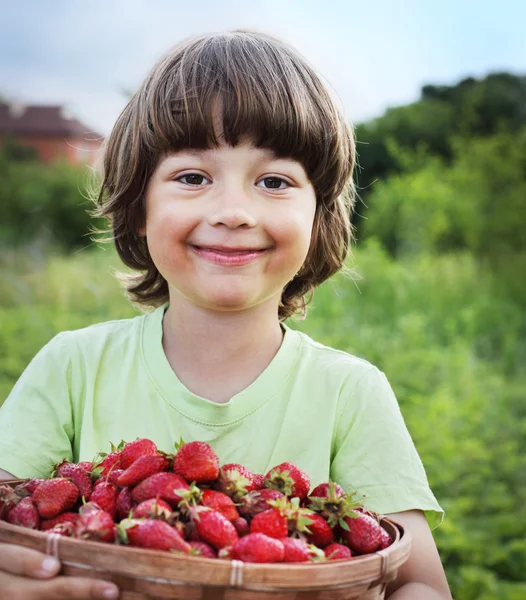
{"x": 42, "y": 120}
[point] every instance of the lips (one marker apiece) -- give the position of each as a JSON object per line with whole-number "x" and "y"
{"x": 228, "y": 256}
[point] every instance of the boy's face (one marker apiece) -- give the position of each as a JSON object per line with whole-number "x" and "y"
{"x": 228, "y": 227}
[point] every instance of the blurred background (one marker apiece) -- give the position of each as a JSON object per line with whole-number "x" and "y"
{"x": 437, "y": 92}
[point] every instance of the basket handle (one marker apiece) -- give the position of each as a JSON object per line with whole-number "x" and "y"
{"x": 385, "y": 562}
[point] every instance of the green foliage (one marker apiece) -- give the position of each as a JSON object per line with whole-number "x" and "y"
{"x": 440, "y": 327}
{"x": 45, "y": 205}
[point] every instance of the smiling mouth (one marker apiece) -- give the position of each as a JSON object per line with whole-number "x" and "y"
{"x": 228, "y": 256}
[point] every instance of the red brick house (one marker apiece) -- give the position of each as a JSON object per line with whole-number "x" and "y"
{"x": 51, "y": 131}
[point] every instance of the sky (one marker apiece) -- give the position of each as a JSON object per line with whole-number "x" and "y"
{"x": 375, "y": 54}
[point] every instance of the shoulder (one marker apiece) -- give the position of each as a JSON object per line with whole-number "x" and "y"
{"x": 326, "y": 361}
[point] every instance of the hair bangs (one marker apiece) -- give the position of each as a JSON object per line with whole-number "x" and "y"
{"x": 227, "y": 89}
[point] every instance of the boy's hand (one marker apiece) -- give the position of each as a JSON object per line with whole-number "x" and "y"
{"x": 23, "y": 577}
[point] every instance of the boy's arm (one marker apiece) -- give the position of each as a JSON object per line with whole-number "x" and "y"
{"x": 422, "y": 576}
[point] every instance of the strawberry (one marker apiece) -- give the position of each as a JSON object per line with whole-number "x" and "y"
{"x": 153, "y": 509}
{"x": 96, "y": 525}
{"x": 9, "y": 498}
{"x": 289, "y": 479}
{"x": 86, "y": 465}
{"x": 64, "y": 519}
{"x": 319, "y": 532}
{"x": 362, "y": 532}
{"x": 105, "y": 496}
{"x": 259, "y": 481}
{"x": 29, "y": 487}
{"x": 220, "y": 502}
{"x": 167, "y": 486}
{"x": 385, "y": 540}
{"x": 24, "y": 514}
{"x": 258, "y": 548}
{"x": 112, "y": 477}
{"x": 326, "y": 490}
{"x": 255, "y": 502}
{"x": 143, "y": 467}
{"x": 55, "y": 496}
{"x": 297, "y": 550}
{"x": 202, "y": 549}
{"x": 242, "y": 526}
{"x": 213, "y": 527}
{"x": 105, "y": 463}
{"x": 151, "y": 534}
{"x": 235, "y": 480}
{"x": 225, "y": 553}
{"x": 133, "y": 450}
{"x": 337, "y": 552}
{"x": 196, "y": 461}
{"x": 124, "y": 504}
{"x": 270, "y": 522}
{"x": 79, "y": 477}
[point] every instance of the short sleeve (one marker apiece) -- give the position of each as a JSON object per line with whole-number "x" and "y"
{"x": 374, "y": 454}
{"x": 36, "y": 423}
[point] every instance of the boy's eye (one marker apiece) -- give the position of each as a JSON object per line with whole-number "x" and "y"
{"x": 273, "y": 183}
{"x": 193, "y": 179}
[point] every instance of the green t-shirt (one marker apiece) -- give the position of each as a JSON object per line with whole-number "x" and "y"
{"x": 331, "y": 413}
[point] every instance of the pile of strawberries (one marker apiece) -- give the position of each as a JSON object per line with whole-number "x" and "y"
{"x": 186, "y": 502}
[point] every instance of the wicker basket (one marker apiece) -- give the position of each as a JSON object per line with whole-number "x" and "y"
{"x": 152, "y": 575}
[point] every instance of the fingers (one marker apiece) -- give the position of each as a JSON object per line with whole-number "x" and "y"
{"x": 26, "y": 562}
{"x": 23, "y": 576}
{"x": 74, "y": 588}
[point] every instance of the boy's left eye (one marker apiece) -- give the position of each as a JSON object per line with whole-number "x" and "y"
{"x": 273, "y": 183}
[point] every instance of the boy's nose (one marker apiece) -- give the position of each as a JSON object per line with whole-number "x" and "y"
{"x": 232, "y": 214}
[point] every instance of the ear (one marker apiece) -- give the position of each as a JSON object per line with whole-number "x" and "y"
{"x": 141, "y": 232}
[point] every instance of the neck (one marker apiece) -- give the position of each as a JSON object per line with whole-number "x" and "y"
{"x": 218, "y": 354}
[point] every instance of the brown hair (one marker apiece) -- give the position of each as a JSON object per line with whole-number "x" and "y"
{"x": 267, "y": 91}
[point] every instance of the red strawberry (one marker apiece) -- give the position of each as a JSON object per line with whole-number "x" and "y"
{"x": 112, "y": 477}
{"x": 196, "y": 462}
{"x": 86, "y": 465}
{"x": 337, "y": 552}
{"x": 164, "y": 485}
{"x": 96, "y": 525}
{"x": 55, "y": 496}
{"x": 151, "y": 534}
{"x": 258, "y": 548}
{"x": 270, "y": 522}
{"x": 24, "y": 514}
{"x": 235, "y": 480}
{"x": 296, "y": 550}
{"x": 225, "y": 553}
{"x": 153, "y": 509}
{"x": 143, "y": 467}
{"x": 105, "y": 496}
{"x": 133, "y": 450}
{"x": 385, "y": 540}
{"x": 242, "y": 526}
{"x": 220, "y": 502}
{"x": 364, "y": 534}
{"x": 67, "y": 518}
{"x": 202, "y": 549}
{"x": 259, "y": 481}
{"x": 124, "y": 504}
{"x": 255, "y": 502}
{"x": 213, "y": 528}
{"x": 289, "y": 479}
{"x": 79, "y": 477}
{"x": 107, "y": 463}
{"x": 321, "y": 534}
{"x": 325, "y": 489}
{"x": 8, "y": 500}
{"x": 29, "y": 487}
